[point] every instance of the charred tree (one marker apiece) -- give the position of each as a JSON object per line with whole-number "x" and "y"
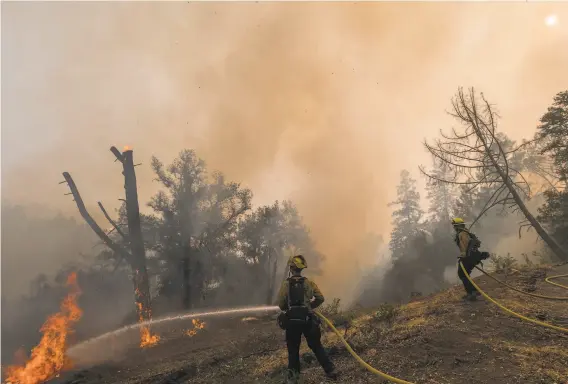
{"x": 138, "y": 260}
{"x": 116, "y": 248}
{"x": 477, "y": 158}
{"x": 112, "y": 222}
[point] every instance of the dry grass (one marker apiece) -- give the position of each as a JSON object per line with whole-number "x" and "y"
{"x": 547, "y": 362}
{"x": 434, "y": 340}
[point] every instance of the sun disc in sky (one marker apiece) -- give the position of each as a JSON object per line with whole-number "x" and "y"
{"x": 551, "y": 20}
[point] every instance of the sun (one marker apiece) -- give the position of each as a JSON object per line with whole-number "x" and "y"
{"x": 551, "y": 20}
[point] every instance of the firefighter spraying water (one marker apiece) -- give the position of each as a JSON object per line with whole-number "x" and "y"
{"x": 298, "y": 297}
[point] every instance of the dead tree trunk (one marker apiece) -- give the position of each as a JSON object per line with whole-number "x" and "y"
{"x": 140, "y": 272}
{"x": 477, "y": 157}
{"x": 558, "y": 251}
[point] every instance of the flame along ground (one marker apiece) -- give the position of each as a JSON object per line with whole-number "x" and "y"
{"x": 197, "y": 326}
{"x": 49, "y": 357}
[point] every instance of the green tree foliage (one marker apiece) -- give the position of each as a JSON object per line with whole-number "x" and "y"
{"x": 553, "y": 136}
{"x": 196, "y": 217}
{"x": 553, "y": 133}
{"x": 441, "y": 195}
{"x": 264, "y": 234}
{"x": 203, "y": 224}
{"x": 407, "y": 217}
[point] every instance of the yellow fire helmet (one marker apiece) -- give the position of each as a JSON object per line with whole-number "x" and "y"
{"x": 457, "y": 221}
{"x": 298, "y": 262}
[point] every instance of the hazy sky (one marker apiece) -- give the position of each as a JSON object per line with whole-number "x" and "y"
{"x": 324, "y": 103}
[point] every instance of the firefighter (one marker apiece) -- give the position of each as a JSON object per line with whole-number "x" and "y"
{"x": 297, "y": 299}
{"x": 470, "y": 256}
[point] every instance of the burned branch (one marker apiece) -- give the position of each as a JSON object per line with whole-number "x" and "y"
{"x": 116, "y": 153}
{"x": 478, "y": 158}
{"x": 90, "y": 221}
{"x": 112, "y": 222}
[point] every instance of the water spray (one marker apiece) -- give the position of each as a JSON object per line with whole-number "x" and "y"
{"x": 219, "y": 312}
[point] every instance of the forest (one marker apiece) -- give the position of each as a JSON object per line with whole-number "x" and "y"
{"x": 207, "y": 246}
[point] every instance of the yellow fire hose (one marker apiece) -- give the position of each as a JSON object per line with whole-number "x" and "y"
{"x": 556, "y": 277}
{"x": 356, "y": 356}
{"x": 401, "y": 381}
{"x": 561, "y": 329}
{"x": 529, "y": 293}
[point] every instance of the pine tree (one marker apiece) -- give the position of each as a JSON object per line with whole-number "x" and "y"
{"x": 465, "y": 202}
{"x": 553, "y": 134}
{"x": 406, "y": 219}
{"x": 441, "y": 195}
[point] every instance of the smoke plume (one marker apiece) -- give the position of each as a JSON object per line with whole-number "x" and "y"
{"x": 322, "y": 103}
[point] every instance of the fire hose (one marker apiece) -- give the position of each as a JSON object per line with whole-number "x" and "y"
{"x": 357, "y": 357}
{"x": 534, "y": 321}
{"x": 529, "y": 293}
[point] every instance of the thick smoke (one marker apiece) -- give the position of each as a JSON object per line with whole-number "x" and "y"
{"x": 323, "y": 103}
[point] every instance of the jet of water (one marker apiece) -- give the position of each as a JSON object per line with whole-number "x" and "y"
{"x": 219, "y": 312}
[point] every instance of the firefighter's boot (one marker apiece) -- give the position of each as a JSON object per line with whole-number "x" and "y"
{"x": 292, "y": 377}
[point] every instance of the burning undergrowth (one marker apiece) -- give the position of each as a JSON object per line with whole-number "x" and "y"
{"x": 49, "y": 357}
{"x": 197, "y": 326}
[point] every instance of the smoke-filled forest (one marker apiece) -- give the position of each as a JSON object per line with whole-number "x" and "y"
{"x": 204, "y": 227}
{"x": 243, "y": 134}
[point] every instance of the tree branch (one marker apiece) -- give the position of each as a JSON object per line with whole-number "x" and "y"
{"x": 117, "y": 154}
{"x": 90, "y": 221}
{"x": 112, "y": 222}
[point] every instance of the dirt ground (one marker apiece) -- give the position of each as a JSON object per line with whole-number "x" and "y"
{"x": 436, "y": 340}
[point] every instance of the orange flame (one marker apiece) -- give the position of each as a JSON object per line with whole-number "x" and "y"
{"x": 49, "y": 358}
{"x": 147, "y": 339}
{"x": 197, "y": 325}
{"x": 126, "y": 148}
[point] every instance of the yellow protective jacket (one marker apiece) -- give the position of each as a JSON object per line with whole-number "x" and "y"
{"x": 462, "y": 239}
{"x": 311, "y": 291}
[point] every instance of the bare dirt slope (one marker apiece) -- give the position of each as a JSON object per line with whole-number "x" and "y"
{"x": 435, "y": 340}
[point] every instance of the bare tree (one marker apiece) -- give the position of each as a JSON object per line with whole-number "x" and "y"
{"x": 135, "y": 238}
{"x": 477, "y": 158}
{"x": 136, "y": 257}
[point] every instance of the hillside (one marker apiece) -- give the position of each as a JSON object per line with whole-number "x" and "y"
{"x": 434, "y": 340}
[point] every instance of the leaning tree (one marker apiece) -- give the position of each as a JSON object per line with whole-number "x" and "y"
{"x": 477, "y": 158}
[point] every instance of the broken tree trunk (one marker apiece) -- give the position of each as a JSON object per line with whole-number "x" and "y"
{"x": 138, "y": 260}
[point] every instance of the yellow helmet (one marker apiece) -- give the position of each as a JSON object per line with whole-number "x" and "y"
{"x": 457, "y": 221}
{"x": 298, "y": 262}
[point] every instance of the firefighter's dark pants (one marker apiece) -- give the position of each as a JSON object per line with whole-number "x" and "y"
{"x": 469, "y": 263}
{"x": 312, "y": 333}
